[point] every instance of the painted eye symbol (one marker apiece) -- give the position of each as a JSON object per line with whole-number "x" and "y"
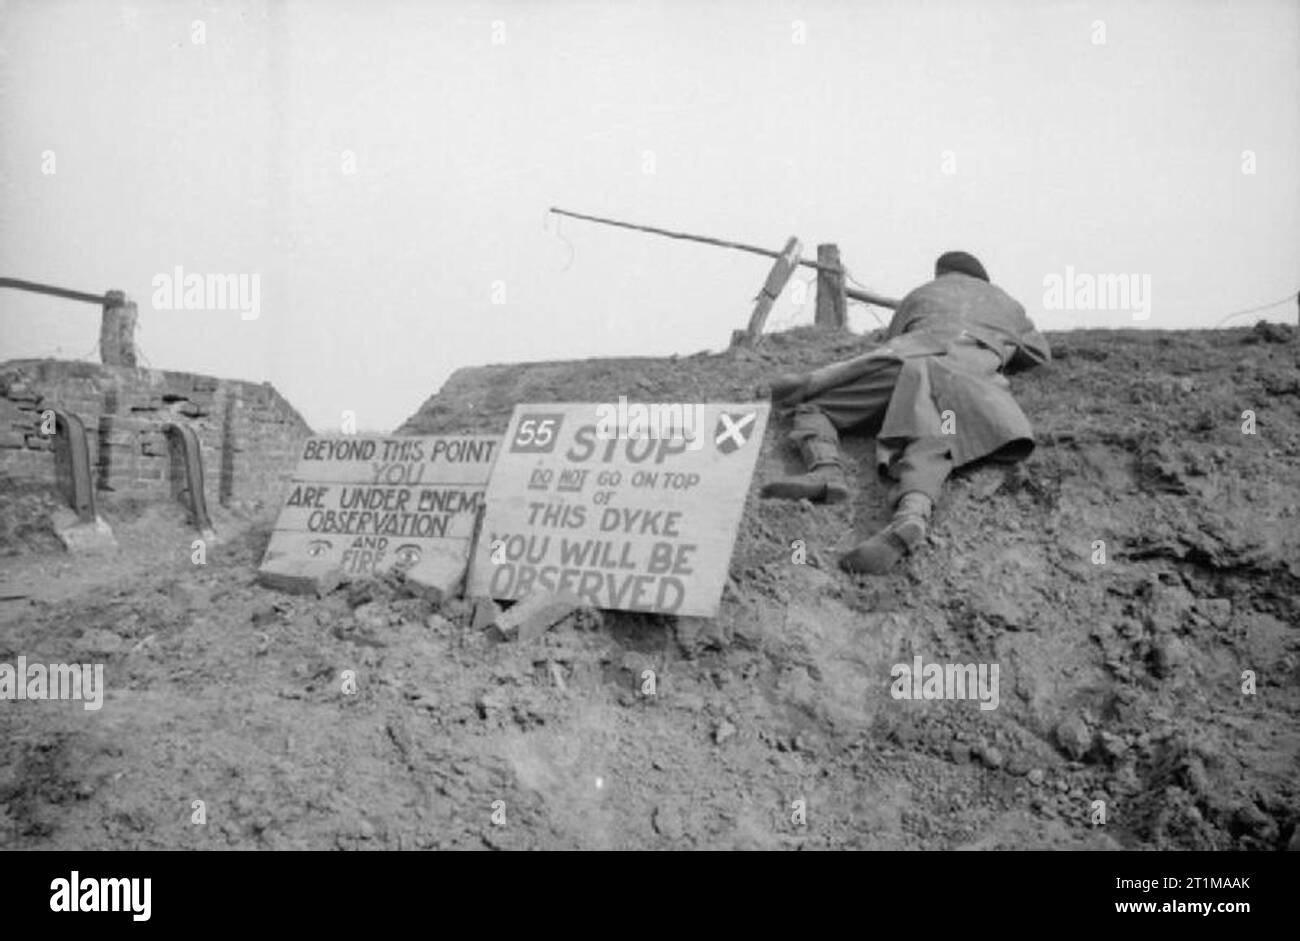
{"x": 318, "y": 547}
{"x": 408, "y": 555}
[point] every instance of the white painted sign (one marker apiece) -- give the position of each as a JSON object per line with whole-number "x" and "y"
{"x": 630, "y": 523}
{"x": 365, "y": 505}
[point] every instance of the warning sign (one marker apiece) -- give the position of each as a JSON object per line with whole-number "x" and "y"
{"x": 364, "y": 505}
{"x": 614, "y": 513}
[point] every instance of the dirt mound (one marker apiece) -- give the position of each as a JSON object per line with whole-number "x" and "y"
{"x": 1121, "y": 675}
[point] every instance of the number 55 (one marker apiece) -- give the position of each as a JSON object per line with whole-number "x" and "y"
{"x": 535, "y": 434}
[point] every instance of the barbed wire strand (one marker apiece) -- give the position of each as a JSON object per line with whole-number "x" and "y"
{"x": 785, "y": 319}
{"x": 871, "y": 308}
{"x": 139, "y": 346}
{"x": 551, "y": 224}
{"x": 93, "y": 351}
{"x": 1292, "y": 298}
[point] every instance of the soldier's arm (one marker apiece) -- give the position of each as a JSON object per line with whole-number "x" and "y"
{"x": 1031, "y": 348}
{"x": 895, "y": 326}
{"x": 902, "y": 314}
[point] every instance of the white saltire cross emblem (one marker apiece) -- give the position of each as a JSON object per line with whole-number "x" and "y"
{"x": 731, "y": 433}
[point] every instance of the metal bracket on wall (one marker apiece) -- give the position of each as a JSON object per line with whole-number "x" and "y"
{"x": 185, "y": 438}
{"x": 72, "y": 455}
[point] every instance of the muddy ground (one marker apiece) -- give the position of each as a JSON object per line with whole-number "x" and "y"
{"x": 1120, "y": 681}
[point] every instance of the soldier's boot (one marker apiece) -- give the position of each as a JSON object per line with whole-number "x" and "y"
{"x": 904, "y": 534}
{"x": 819, "y": 447}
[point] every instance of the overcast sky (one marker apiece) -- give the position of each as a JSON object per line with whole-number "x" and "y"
{"x": 384, "y": 170}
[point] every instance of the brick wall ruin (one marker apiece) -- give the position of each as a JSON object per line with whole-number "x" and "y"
{"x": 250, "y": 435}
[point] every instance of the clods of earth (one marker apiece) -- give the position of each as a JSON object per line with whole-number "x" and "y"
{"x": 1136, "y": 581}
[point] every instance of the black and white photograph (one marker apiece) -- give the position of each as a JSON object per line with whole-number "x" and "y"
{"x": 650, "y": 427}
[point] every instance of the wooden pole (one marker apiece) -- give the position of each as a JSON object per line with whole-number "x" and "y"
{"x": 50, "y": 289}
{"x": 831, "y": 301}
{"x": 867, "y": 297}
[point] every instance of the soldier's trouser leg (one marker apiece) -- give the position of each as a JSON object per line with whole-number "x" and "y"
{"x": 923, "y": 467}
{"x": 818, "y": 444}
{"x": 862, "y": 402}
{"x": 815, "y": 433}
{"x": 919, "y": 474}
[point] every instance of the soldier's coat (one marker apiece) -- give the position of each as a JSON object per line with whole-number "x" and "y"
{"x": 953, "y": 337}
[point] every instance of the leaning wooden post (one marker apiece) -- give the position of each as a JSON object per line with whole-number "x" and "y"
{"x": 831, "y": 303}
{"x": 117, "y": 330}
{"x": 776, "y": 281}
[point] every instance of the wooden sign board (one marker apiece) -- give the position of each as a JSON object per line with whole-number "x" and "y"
{"x": 362, "y": 505}
{"x": 642, "y": 523}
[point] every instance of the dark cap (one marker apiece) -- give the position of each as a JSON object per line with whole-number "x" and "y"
{"x": 960, "y": 262}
